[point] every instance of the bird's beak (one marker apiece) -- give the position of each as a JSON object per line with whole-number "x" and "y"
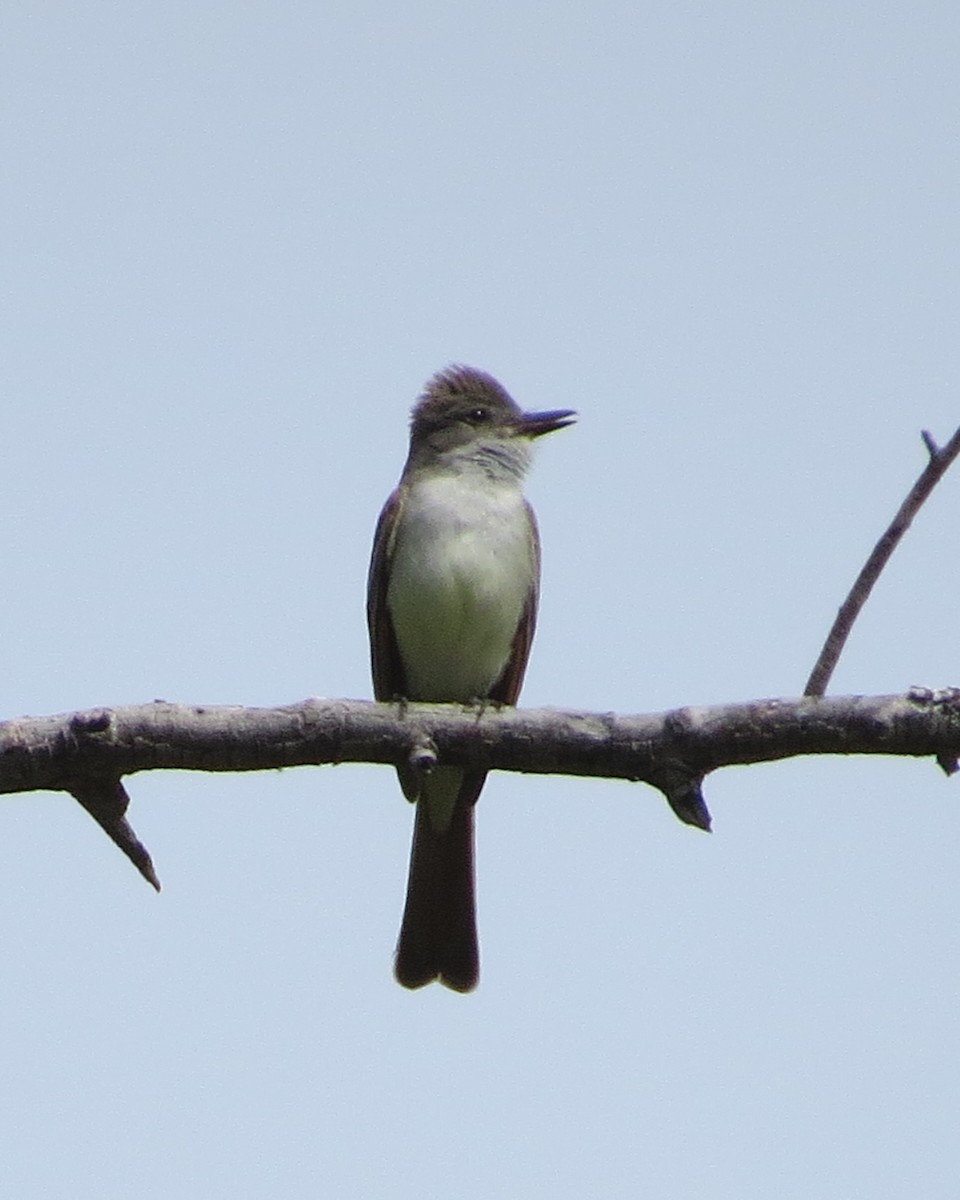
{"x": 537, "y": 423}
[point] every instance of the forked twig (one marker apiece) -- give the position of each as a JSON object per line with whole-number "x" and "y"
{"x": 940, "y": 460}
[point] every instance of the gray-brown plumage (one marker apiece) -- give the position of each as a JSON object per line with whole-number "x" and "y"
{"x": 451, "y": 609}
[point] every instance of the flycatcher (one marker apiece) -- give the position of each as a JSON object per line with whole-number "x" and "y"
{"x": 451, "y": 609}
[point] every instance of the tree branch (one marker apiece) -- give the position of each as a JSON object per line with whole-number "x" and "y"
{"x": 87, "y": 753}
{"x": 940, "y": 460}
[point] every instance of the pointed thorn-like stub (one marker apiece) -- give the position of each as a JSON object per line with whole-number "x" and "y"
{"x": 106, "y": 800}
{"x": 681, "y": 786}
{"x": 688, "y": 804}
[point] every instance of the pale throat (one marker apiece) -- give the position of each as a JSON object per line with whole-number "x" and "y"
{"x": 461, "y": 572}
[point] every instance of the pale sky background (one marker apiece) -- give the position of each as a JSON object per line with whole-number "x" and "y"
{"x": 237, "y": 239}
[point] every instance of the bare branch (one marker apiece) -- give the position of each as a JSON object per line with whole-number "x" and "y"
{"x": 940, "y": 460}
{"x": 85, "y": 754}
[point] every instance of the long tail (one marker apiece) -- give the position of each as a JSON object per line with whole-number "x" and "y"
{"x": 438, "y": 935}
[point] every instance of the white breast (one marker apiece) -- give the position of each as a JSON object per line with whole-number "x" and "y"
{"x": 462, "y": 568}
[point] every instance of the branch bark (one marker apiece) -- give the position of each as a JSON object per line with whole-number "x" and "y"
{"x": 87, "y": 753}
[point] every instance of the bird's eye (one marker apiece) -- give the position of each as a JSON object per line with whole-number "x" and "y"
{"x": 477, "y": 416}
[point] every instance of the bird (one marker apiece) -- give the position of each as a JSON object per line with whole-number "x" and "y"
{"x": 452, "y": 597}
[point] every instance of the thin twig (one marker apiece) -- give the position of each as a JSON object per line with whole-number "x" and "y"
{"x": 940, "y": 460}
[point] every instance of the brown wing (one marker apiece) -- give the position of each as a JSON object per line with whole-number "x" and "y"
{"x": 507, "y": 688}
{"x": 385, "y": 662}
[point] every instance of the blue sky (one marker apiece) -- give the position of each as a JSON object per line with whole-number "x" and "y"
{"x": 238, "y": 239}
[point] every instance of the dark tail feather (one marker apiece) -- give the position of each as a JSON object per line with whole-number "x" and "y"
{"x": 438, "y": 936}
